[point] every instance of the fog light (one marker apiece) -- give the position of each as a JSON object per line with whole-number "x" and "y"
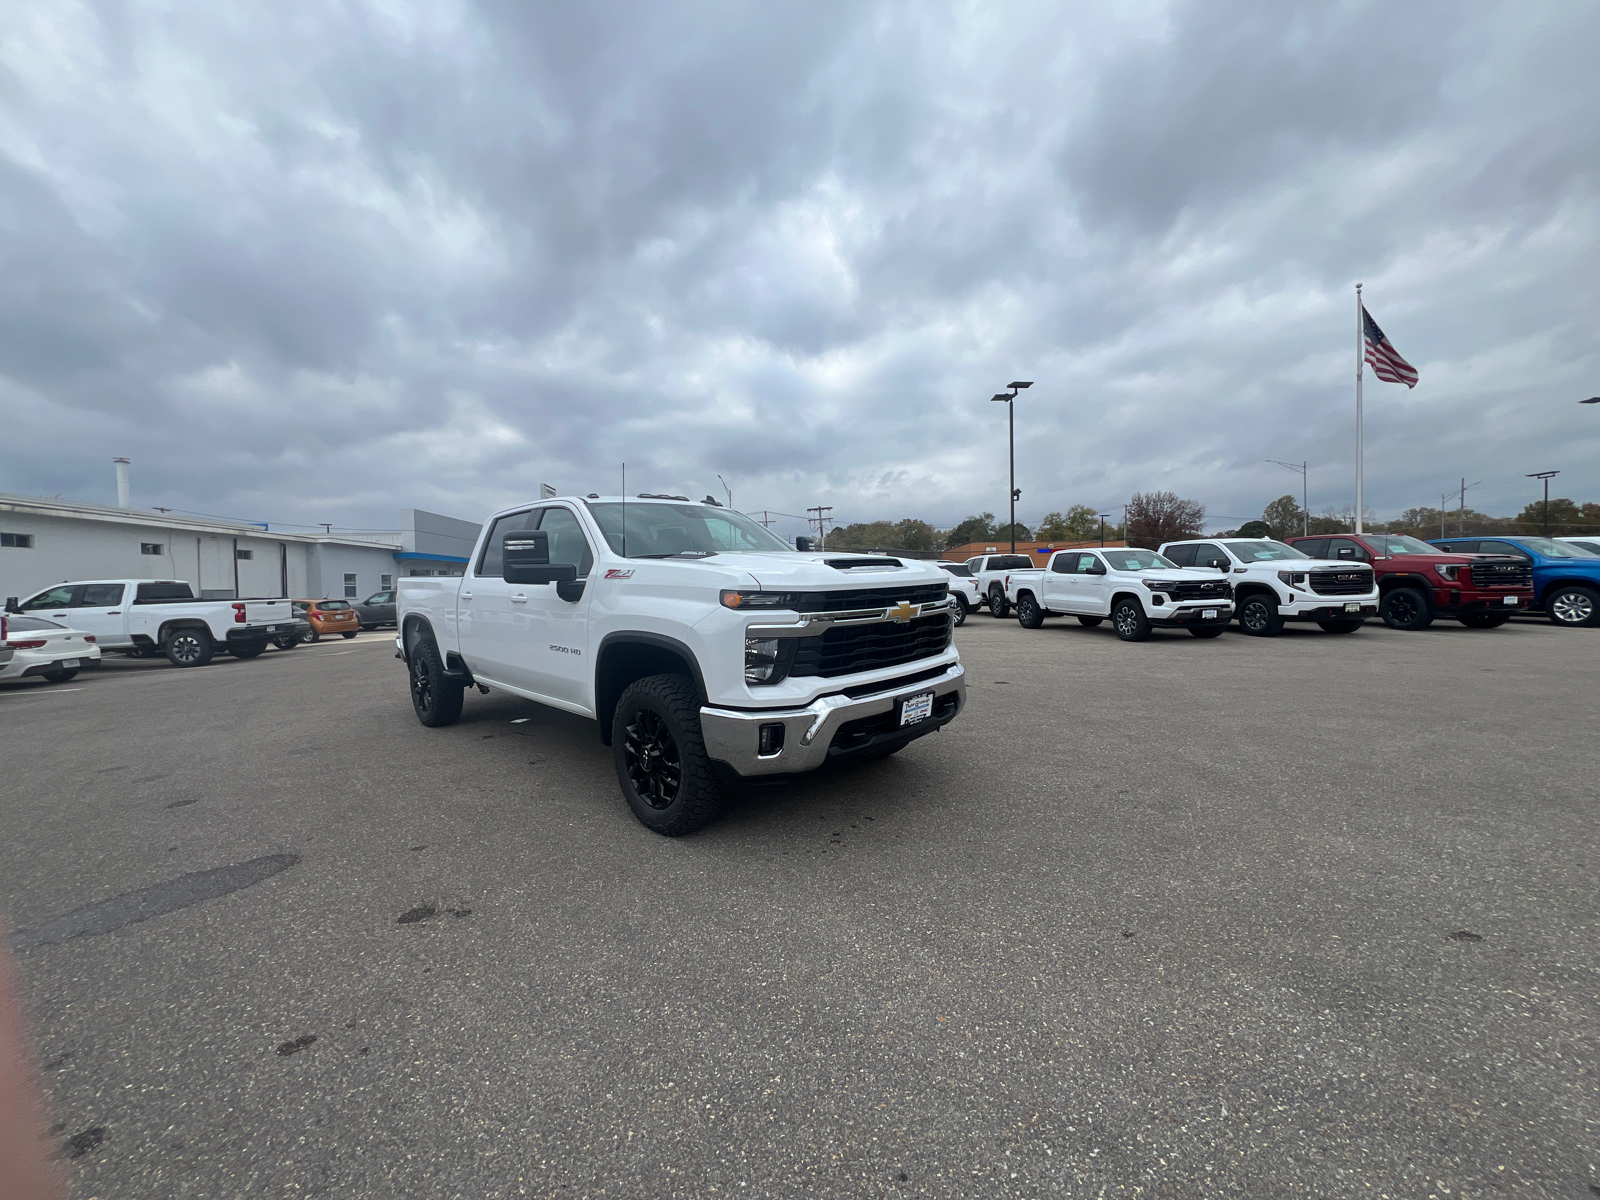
{"x": 1157, "y": 599}
{"x": 760, "y": 659}
{"x": 771, "y": 740}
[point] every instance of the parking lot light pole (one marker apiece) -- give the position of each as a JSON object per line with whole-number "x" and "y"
{"x": 1546, "y": 476}
{"x": 1011, "y": 421}
{"x": 1103, "y": 517}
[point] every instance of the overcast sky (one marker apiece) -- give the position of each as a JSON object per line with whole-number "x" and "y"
{"x": 310, "y": 263}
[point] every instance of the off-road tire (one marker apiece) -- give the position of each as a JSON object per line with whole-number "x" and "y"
{"x": 435, "y": 698}
{"x": 1406, "y": 608}
{"x": 190, "y": 646}
{"x": 1029, "y": 614}
{"x": 59, "y": 676}
{"x": 1091, "y": 622}
{"x": 1339, "y": 626}
{"x": 348, "y": 636}
{"x": 998, "y": 605}
{"x": 1258, "y": 616}
{"x": 1206, "y": 631}
{"x": 246, "y": 649}
{"x": 1484, "y": 620}
{"x": 1128, "y": 619}
{"x": 660, "y": 756}
{"x": 1573, "y": 605}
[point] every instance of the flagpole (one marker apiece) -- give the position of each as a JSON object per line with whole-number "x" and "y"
{"x": 1361, "y": 339}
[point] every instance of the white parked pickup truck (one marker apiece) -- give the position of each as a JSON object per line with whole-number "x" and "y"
{"x": 1274, "y": 583}
{"x": 704, "y": 646}
{"x": 1138, "y": 589}
{"x": 161, "y": 616}
{"x": 990, "y": 572}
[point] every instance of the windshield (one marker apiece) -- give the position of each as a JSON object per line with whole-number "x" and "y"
{"x": 1398, "y": 543}
{"x": 960, "y": 569}
{"x": 1136, "y": 560}
{"x": 662, "y": 530}
{"x": 1263, "y": 551}
{"x": 1591, "y": 547}
{"x": 1552, "y": 549}
{"x": 33, "y": 624}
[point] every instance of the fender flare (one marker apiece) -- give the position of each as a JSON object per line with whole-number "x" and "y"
{"x": 622, "y": 638}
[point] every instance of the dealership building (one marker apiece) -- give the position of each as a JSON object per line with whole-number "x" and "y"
{"x": 45, "y": 542}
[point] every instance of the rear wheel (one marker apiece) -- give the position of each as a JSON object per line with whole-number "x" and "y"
{"x": 1258, "y": 616}
{"x": 287, "y": 643}
{"x": 1484, "y": 620}
{"x": 1090, "y": 622}
{"x": 1029, "y": 614}
{"x": 1339, "y": 626}
{"x": 59, "y": 676}
{"x": 1206, "y": 631}
{"x": 998, "y": 606}
{"x": 190, "y": 646}
{"x": 1406, "y": 608}
{"x": 246, "y": 649}
{"x": 435, "y": 697}
{"x": 311, "y": 635}
{"x": 1129, "y": 621}
{"x": 660, "y": 756}
{"x": 1571, "y": 604}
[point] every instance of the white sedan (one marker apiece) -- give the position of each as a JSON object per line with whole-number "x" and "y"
{"x": 47, "y": 650}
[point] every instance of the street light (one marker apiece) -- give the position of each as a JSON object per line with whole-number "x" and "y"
{"x": 1102, "y": 517}
{"x": 1546, "y": 476}
{"x": 1011, "y": 419}
{"x": 1305, "y": 493}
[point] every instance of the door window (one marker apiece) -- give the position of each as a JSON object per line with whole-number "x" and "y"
{"x": 56, "y": 597}
{"x": 1345, "y": 548}
{"x": 100, "y": 595}
{"x": 1088, "y": 564}
{"x": 1461, "y": 547}
{"x": 568, "y": 546}
{"x": 1205, "y": 552}
{"x": 1503, "y": 548}
{"x": 490, "y": 562}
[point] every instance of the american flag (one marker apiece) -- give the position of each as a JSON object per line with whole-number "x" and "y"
{"x": 1386, "y": 362}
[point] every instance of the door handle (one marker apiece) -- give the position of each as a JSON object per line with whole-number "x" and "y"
{"x": 519, "y": 597}
{"x": 466, "y": 595}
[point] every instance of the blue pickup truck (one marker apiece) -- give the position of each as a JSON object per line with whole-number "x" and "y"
{"x": 1566, "y": 578}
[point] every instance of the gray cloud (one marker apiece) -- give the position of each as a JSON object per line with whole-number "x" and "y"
{"x": 322, "y": 263}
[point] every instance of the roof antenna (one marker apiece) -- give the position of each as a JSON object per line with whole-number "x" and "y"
{"x": 624, "y": 510}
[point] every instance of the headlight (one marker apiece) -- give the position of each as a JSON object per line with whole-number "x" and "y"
{"x": 1293, "y": 578}
{"x": 733, "y": 598}
{"x": 760, "y": 659}
{"x": 1447, "y": 571}
{"x": 1160, "y": 585}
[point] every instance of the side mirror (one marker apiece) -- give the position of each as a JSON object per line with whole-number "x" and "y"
{"x": 1099, "y": 569}
{"x": 12, "y": 606}
{"x": 1346, "y": 552}
{"x": 802, "y": 544}
{"x": 1216, "y": 564}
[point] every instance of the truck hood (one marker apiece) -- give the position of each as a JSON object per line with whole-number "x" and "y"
{"x": 832, "y": 571}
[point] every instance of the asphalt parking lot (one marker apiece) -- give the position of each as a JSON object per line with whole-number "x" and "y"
{"x": 1309, "y": 916}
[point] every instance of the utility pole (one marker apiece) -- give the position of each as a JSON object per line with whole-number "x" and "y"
{"x": 327, "y": 527}
{"x": 766, "y": 521}
{"x": 1305, "y": 502}
{"x": 1443, "y": 500}
{"x": 1461, "y": 517}
{"x": 1546, "y": 476}
{"x": 822, "y": 511}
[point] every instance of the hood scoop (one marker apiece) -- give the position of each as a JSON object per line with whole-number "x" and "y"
{"x": 864, "y": 564}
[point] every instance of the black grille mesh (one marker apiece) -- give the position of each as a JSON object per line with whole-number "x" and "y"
{"x": 884, "y": 597}
{"x": 1341, "y": 583}
{"x": 848, "y": 649}
{"x": 1493, "y": 574}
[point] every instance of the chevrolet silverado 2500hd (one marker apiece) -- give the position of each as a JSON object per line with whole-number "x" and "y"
{"x": 704, "y": 646}
{"x": 1274, "y": 583}
{"x": 1137, "y": 589}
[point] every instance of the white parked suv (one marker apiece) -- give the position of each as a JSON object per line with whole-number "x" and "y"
{"x": 704, "y": 646}
{"x": 1138, "y": 589}
{"x": 1274, "y": 583}
{"x": 963, "y": 588}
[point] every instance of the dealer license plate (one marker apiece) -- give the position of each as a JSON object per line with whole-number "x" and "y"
{"x": 1352, "y": 608}
{"x": 1510, "y": 600}
{"x": 916, "y": 708}
{"x": 1208, "y": 614}
{"x": 70, "y": 662}
{"x": 272, "y": 629}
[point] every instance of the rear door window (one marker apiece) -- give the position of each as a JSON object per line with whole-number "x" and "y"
{"x": 163, "y": 591}
{"x": 1063, "y": 564}
{"x": 1182, "y": 555}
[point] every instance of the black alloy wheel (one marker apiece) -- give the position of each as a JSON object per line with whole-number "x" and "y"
{"x": 190, "y": 647}
{"x": 998, "y": 605}
{"x": 1407, "y": 609}
{"x": 660, "y": 755}
{"x": 1573, "y": 605}
{"x": 655, "y": 768}
{"x": 1258, "y": 616}
{"x": 1129, "y": 621}
{"x": 1090, "y": 622}
{"x": 435, "y": 698}
{"x": 1029, "y": 614}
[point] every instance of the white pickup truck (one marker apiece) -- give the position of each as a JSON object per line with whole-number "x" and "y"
{"x": 704, "y": 646}
{"x": 1274, "y": 583}
{"x": 1138, "y": 589}
{"x": 143, "y": 617}
{"x": 990, "y": 572}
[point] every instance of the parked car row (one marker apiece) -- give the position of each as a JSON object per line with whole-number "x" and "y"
{"x": 1336, "y": 581}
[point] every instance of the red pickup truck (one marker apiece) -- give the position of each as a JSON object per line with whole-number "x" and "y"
{"x": 1418, "y": 582}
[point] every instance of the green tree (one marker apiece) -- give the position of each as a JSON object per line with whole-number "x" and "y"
{"x": 864, "y": 535}
{"x": 1285, "y": 518}
{"x": 1003, "y": 533}
{"x": 1156, "y": 517}
{"x": 1255, "y": 529}
{"x": 1565, "y": 517}
{"x": 912, "y": 536}
{"x": 1080, "y": 523}
{"x": 974, "y": 529}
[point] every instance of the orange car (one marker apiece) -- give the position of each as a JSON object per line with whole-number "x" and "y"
{"x": 327, "y": 617}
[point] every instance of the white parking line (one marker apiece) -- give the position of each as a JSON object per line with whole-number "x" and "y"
{"x": 34, "y": 695}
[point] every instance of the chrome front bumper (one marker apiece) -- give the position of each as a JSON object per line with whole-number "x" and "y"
{"x": 733, "y": 736}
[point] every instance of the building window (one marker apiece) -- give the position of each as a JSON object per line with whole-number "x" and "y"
{"x": 350, "y": 587}
{"x": 17, "y": 541}
{"x": 385, "y": 582}
{"x": 420, "y": 571}
{"x": 242, "y": 555}
{"x": 149, "y": 547}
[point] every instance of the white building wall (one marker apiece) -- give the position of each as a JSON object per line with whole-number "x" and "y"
{"x": 330, "y": 561}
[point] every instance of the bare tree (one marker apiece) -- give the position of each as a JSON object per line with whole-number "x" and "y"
{"x": 1156, "y": 517}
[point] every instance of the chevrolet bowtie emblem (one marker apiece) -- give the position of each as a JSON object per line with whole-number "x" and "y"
{"x": 904, "y": 611}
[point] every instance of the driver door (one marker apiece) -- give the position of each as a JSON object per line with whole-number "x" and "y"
{"x": 559, "y": 629}
{"x": 53, "y": 603}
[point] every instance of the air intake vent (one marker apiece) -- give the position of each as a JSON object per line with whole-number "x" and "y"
{"x": 849, "y": 564}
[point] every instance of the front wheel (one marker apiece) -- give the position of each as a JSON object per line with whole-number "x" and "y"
{"x": 1339, "y": 626}
{"x": 998, "y": 606}
{"x": 435, "y": 697}
{"x": 190, "y": 647}
{"x": 1129, "y": 621}
{"x": 1090, "y": 622}
{"x": 1573, "y": 605}
{"x": 1258, "y": 616}
{"x": 1406, "y": 608}
{"x": 1029, "y": 614}
{"x": 59, "y": 676}
{"x": 960, "y": 617}
{"x": 1484, "y": 620}
{"x": 660, "y": 756}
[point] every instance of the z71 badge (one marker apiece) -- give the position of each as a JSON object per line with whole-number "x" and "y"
{"x": 614, "y": 573}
